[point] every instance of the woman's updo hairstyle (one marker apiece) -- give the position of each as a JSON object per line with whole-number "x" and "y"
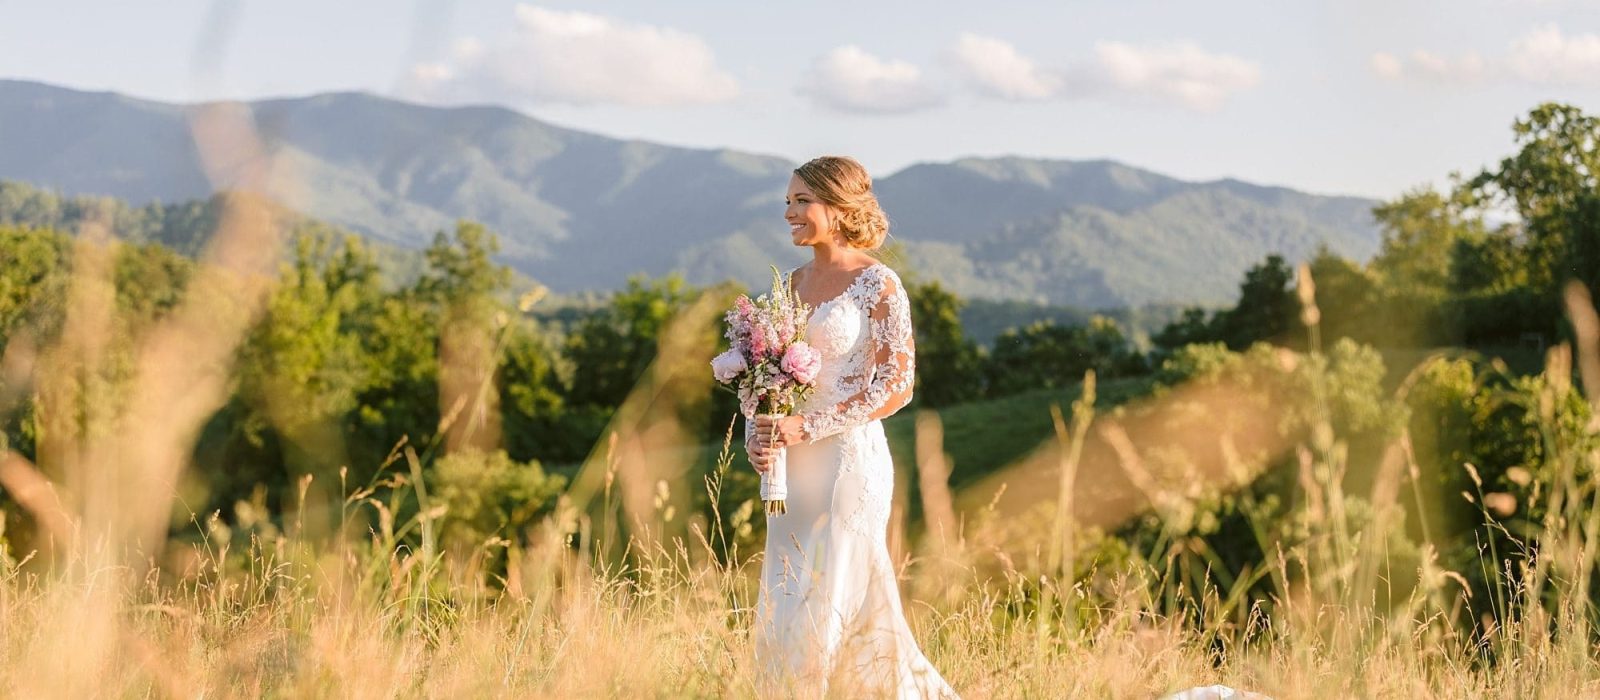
{"x": 842, "y": 183}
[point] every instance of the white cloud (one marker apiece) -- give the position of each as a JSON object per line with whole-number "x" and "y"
{"x": 1467, "y": 68}
{"x": 995, "y": 68}
{"x": 1387, "y": 66}
{"x": 1181, "y": 73}
{"x": 431, "y": 73}
{"x": 848, "y": 79}
{"x": 580, "y": 59}
{"x": 1178, "y": 73}
{"x": 1543, "y": 56}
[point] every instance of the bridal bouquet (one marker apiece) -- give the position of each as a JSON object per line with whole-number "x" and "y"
{"x": 769, "y": 367}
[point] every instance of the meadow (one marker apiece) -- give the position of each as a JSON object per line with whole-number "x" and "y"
{"x": 1016, "y": 599}
{"x": 269, "y": 472}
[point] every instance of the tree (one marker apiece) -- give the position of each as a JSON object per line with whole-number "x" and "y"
{"x": 1045, "y": 355}
{"x": 1193, "y": 327}
{"x": 948, "y": 363}
{"x": 467, "y": 288}
{"x": 489, "y": 495}
{"x": 1349, "y": 299}
{"x": 150, "y": 280}
{"x": 1421, "y": 230}
{"x": 535, "y": 410}
{"x": 1267, "y": 307}
{"x": 33, "y": 290}
{"x": 1508, "y": 281}
{"x": 1552, "y": 183}
{"x": 1424, "y": 234}
{"x": 301, "y": 374}
{"x": 33, "y": 280}
{"x": 611, "y": 349}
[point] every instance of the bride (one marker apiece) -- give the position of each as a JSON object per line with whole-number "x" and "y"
{"x": 829, "y": 613}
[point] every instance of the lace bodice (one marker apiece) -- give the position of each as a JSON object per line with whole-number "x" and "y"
{"x": 868, "y": 354}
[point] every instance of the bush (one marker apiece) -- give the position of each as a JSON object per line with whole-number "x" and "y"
{"x": 1245, "y": 451}
{"x": 1046, "y": 356}
{"x": 488, "y": 495}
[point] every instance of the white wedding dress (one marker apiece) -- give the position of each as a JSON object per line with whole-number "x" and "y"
{"x": 828, "y": 618}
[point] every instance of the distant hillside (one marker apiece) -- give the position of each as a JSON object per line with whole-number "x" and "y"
{"x": 1100, "y": 234}
{"x": 185, "y": 227}
{"x": 579, "y": 211}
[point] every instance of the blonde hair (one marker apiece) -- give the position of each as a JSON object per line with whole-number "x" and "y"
{"x": 842, "y": 183}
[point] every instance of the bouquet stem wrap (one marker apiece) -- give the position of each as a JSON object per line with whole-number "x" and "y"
{"x": 775, "y": 480}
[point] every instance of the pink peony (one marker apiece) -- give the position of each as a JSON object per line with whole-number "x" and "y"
{"x": 727, "y": 366}
{"x": 802, "y": 362}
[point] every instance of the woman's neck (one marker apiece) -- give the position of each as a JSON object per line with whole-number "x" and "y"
{"x": 834, "y": 257}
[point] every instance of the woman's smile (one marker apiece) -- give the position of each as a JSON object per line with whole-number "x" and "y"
{"x": 805, "y": 212}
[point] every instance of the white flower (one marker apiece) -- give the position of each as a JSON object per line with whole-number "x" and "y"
{"x": 727, "y": 366}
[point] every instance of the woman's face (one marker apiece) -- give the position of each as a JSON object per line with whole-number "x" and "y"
{"x": 810, "y": 219}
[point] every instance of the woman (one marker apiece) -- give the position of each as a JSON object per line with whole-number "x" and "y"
{"x": 829, "y": 616}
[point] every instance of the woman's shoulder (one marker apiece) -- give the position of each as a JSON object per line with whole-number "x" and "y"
{"x": 883, "y": 280}
{"x": 885, "y": 271}
{"x": 794, "y": 274}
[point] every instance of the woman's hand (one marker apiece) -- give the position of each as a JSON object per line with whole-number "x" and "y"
{"x": 760, "y": 456}
{"x": 780, "y": 431}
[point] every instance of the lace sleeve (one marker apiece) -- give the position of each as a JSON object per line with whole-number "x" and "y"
{"x": 892, "y": 363}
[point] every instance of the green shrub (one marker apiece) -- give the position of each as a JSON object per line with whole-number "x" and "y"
{"x": 488, "y": 495}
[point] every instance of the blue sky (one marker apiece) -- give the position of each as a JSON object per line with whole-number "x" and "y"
{"x": 1353, "y": 97}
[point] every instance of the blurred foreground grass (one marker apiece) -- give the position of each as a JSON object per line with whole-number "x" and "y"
{"x": 382, "y": 610}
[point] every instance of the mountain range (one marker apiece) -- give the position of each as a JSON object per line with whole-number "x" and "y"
{"x": 579, "y": 211}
